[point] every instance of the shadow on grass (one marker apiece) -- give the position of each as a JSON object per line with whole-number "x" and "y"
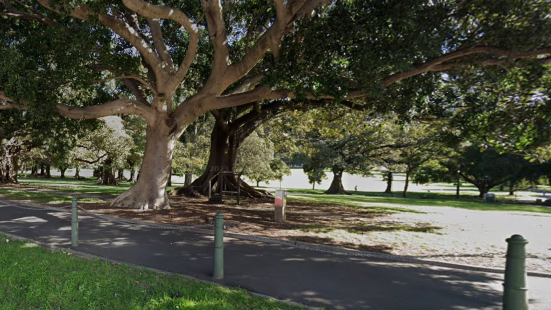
{"x": 369, "y": 199}
{"x": 364, "y": 227}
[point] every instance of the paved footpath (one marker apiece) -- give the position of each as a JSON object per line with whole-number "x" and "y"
{"x": 311, "y": 278}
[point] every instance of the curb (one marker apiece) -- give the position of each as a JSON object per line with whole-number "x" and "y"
{"x": 89, "y": 256}
{"x": 335, "y": 250}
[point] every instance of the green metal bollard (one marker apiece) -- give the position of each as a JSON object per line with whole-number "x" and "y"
{"x": 515, "y": 292}
{"x": 74, "y": 223}
{"x": 218, "y": 267}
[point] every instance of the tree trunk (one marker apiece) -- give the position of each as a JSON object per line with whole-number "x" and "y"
{"x": 48, "y": 172}
{"x": 77, "y": 173}
{"x": 389, "y": 179}
{"x": 222, "y": 157}
{"x": 132, "y": 175}
{"x": 511, "y": 188}
{"x": 482, "y": 189}
{"x": 108, "y": 173}
{"x": 187, "y": 179}
{"x": 149, "y": 191}
{"x": 313, "y": 185}
{"x": 62, "y": 172}
{"x": 120, "y": 174}
{"x": 42, "y": 170}
{"x": 336, "y": 185}
{"x": 406, "y": 184}
{"x": 8, "y": 161}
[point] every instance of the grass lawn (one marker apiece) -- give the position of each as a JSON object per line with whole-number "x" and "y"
{"x": 35, "y": 278}
{"x": 44, "y": 198}
{"x": 86, "y": 186}
{"x": 468, "y": 200}
{"x": 89, "y": 186}
{"x": 435, "y": 200}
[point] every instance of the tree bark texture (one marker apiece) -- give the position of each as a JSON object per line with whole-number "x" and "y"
{"x": 336, "y": 185}
{"x": 8, "y": 160}
{"x": 149, "y": 191}
{"x": 406, "y": 184}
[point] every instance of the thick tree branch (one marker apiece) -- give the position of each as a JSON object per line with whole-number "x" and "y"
{"x": 91, "y": 162}
{"x": 121, "y": 28}
{"x": 252, "y": 26}
{"x": 264, "y": 93}
{"x": 120, "y": 106}
{"x": 238, "y": 70}
{"x": 153, "y": 11}
{"x": 258, "y": 94}
{"x": 246, "y": 84}
{"x": 271, "y": 39}
{"x": 217, "y": 35}
{"x": 131, "y": 35}
{"x": 443, "y": 62}
{"x": 186, "y": 63}
{"x": 136, "y": 90}
{"x": 164, "y": 12}
{"x": 11, "y": 11}
{"x": 128, "y": 77}
{"x": 7, "y": 103}
{"x": 159, "y": 43}
{"x": 11, "y": 106}
{"x": 80, "y": 12}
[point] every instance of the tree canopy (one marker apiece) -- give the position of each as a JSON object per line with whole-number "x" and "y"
{"x": 169, "y": 62}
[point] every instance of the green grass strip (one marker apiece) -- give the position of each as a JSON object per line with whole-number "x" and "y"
{"x": 48, "y": 198}
{"x": 371, "y": 202}
{"x": 35, "y": 278}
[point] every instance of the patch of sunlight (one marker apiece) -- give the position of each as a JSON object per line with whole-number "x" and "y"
{"x": 31, "y": 219}
{"x": 29, "y": 245}
{"x": 294, "y": 260}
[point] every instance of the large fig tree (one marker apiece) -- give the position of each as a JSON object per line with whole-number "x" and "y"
{"x": 175, "y": 60}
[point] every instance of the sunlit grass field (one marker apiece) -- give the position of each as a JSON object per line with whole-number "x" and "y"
{"x": 35, "y": 278}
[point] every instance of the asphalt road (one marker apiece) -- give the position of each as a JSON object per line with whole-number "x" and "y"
{"x": 311, "y": 278}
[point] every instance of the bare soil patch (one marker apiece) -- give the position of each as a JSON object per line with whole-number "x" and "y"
{"x": 305, "y": 222}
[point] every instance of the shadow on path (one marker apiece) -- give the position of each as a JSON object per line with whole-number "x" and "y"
{"x": 311, "y": 278}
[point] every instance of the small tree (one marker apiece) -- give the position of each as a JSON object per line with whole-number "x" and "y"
{"x": 279, "y": 169}
{"x": 107, "y": 147}
{"x": 315, "y": 174}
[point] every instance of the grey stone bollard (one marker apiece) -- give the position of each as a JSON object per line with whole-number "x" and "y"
{"x": 515, "y": 291}
{"x": 74, "y": 223}
{"x": 218, "y": 264}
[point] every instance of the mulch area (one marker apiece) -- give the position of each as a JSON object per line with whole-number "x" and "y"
{"x": 256, "y": 216}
